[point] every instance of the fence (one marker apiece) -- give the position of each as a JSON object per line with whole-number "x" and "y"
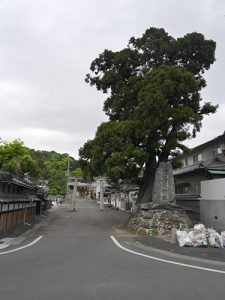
{"x": 14, "y": 213}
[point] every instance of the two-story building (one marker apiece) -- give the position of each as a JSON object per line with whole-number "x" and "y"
{"x": 206, "y": 161}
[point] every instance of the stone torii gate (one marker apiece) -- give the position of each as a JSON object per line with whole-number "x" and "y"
{"x": 74, "y": 183}
{"x": 101, "y": 180}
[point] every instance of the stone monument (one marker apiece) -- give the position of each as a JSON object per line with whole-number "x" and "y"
{"x": 164, "y": 188}
{"x": 162, "y": 214}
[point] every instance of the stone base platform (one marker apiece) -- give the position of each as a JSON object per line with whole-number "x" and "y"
{"x": 159, "y": 220}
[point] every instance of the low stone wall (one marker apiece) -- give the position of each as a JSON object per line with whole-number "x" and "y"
{"x": 158, "y": 221}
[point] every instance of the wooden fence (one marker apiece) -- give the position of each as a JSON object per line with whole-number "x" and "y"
{"x": 15, "y": 213}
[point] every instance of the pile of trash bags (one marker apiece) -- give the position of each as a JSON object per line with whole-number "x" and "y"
{"x": 199, "y": 236}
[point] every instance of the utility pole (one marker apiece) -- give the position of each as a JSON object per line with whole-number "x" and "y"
{"x": 74, "y": 195}
{"x": 67, "y": 181}
{"x": 101, "y": 195}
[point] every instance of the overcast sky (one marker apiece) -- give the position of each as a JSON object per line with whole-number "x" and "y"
{"x": 47, "y": 46}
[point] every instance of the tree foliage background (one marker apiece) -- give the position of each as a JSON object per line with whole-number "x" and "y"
{"x": 153, "y": 103}
{"x": 41, "y": 167}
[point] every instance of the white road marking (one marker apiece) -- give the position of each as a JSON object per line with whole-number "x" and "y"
{"x": 23, "y": 247}
{"x": 164, "y": 260}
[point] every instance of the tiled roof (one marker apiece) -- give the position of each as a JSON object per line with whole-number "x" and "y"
{"x": 8, "y": 177}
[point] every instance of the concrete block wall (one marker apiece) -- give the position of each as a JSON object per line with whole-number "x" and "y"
{"x": 212, "y": 213}
{"x": 212, "y": 204}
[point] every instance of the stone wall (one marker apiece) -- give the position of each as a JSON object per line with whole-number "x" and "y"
{"x": 159, "y": 221}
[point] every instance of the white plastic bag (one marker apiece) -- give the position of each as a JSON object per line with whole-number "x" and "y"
{"x": 219, "y": 241}
{"x": 191, "y": 236}
{"x": 183, "y": 238}
{"x": 199, "y": 227}
{"x": 223, "y": 237}
{"x": 200, "y": 239}
{"x": 214, "y": 239}
{"x": 199, "y": 236}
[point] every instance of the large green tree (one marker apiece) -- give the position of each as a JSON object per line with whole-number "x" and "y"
{"x": 42, "y": 167}
{"x": 153, "y": 103}
{"x": 53, "y": 168}
{"x": 15, "y": 158}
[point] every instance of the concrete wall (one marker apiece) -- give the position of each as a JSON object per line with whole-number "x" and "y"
{"x": 213, "y": 189}
{"x": 212, "y": 204}
{"x": 212, "y": 213}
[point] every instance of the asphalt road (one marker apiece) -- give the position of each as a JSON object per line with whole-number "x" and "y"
{"x": 76, "y": 259}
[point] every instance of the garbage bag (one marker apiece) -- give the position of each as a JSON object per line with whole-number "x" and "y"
{"x": 191, "y": 235}
{"x": 210, "y": 237}
{"x": 200, "y": 239}
{"x": 183, "y": 238}
{"x": 223, "y": 237}
{"x": 214, "y": 239}
{"x": 199, "y": 236}
{"x": 219, "y": 241}
{"x": 199, "y": 227}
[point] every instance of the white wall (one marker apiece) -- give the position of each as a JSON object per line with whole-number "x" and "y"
{"x": 213, "y": 189}
{"x": 212, "y": 204}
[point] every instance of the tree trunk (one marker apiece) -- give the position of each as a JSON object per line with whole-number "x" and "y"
{"x": 145, "y": 193}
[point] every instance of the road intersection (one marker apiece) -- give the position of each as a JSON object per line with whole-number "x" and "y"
{"x": 73, "y": 257}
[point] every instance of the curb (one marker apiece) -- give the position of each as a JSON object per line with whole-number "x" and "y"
{"x": 150, "y": 249}
{"x": 7, "y": 241}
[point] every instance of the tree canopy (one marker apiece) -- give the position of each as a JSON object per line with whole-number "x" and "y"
{"x": 16, "y": 159}
{"x": 153, "y": 103}
{"x": 53, "y": 168}
{"x": 42, "y": 167}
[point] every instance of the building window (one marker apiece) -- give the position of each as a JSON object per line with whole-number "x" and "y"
{"x": 183, "y": 188}
{"x": 195, "y": 158}
{"x": 179, "y": 189}
{"x": 186, "y": 162}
